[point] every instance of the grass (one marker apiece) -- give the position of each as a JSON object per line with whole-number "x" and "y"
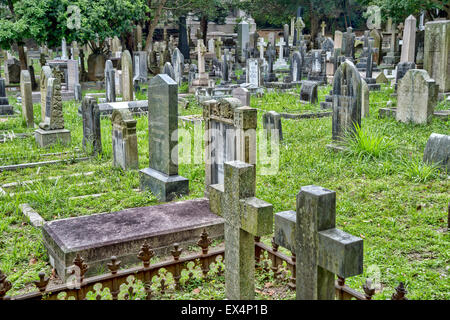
{"x": 385, "y": 195}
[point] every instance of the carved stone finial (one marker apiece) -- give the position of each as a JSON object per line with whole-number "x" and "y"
{"x": 145, "y": 254}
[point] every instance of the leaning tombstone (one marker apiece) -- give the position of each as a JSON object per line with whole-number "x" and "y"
{"x": 127, "y": 77}
{"x": 5, "y": 107}
{"x": 245, "y": 217}
{"x": 46, "y": 73}
{"x": 437, "y": 151}
{"x": 124, "y": 140}
{"x": 51, "y": 129}
{"x": 347, "y": 96}
{"x": 321, "y": 250}
{"x": 417, "y": 96}
{"x": 161, "y": 177}
{"x": 308, "y": 92}
{"x": 92, "y": 139}
{"x": 27, "y": 100}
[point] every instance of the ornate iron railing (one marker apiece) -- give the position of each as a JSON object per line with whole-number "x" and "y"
{"x": 267, "y": 258}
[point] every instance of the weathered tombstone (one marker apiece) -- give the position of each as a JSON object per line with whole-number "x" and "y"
{"x": 317, "y": 71}
{"x": 254, "y": 72}
{"x": 211, "y": 47}
{"x": 364, "y": 99}
{"x": 437, "y": 53}
{"x": 127, "y": 77}
{"x": 230, "y": 134}
{"x": 124, "y": 140}
{"x": 409, "y": 39}
{"x": 417, "y": 96}
{"x": 381, "y": 78}
{"x": 347, "y": 96}
{"x": 272, "y": 121}
{"x": 242, "y": 94}
{"x": 72, "y": 74}
{"x": 281, "y": 62}
{"x": 402, "y": 68}
{"x": 393, "y": 56}
{"x": 271, "y": 38}
{"x": 437, "y": 151}
{"x": 162, "y": 175}
{"x": 377, "y": 44}
{"x": 46, "y": 73}
{"x": 243, "y": 38}
{"x": 118, "y": 81}
{"x": 51, "y": 129}
{"x": 92, "y": 139}
{"x": 337, "y": 39}
{"x": 140, "y": 66}
{"x": 348, "y": 44}
{"x": 321, "y": 250}
{"x": 226, "y": 66}
{"x": 27, "y": 101}
{"x": 5, "y": 107}
{"x": 296, "y": 67}
{"x": 218, "y": 48}
{"x": 78, "y": 94}
{"x": 308, "y": 92}
{"x": 245, "y": 217}
{"x": 203, "y": 77}
{"x": 271, "y": 54}
{"x": 110, "y": 81}
{"x": 12, "y": 70}
{"x": 168, "y": 70}
{"x": 34, "y": 85}
{"x": 183, "y": 43}
{"x": 178, "y": 66}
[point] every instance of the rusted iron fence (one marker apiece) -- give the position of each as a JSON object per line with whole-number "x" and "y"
{"x": 267, "y": 258}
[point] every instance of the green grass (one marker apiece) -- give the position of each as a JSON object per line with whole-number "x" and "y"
{"x": 385, "y": 195}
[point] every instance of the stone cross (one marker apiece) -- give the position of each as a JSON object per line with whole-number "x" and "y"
{"x": 321, "y": 249}
{"x": 271, "y": 54}
{"x": 245, "y": 217}
{"x": 281, "y": 44}
{"x": 299, "y": 26}
{"x": 218, "y": 46}
{"x": 261, "y": 44}
{"x": 323, "y": 25}
{"x": 46, "y": 73}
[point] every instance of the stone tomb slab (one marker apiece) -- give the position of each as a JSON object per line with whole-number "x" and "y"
{"x": 98, "y": 237}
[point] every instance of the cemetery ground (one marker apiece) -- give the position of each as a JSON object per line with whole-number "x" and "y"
{"x": 385, "y": 194}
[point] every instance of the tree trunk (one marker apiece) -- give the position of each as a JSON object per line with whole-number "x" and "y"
{"x": 153, "y": 23}
{"x": 22, "y": 57}
{"x": 204, "y": 28}
{"x": 314, "y": 19}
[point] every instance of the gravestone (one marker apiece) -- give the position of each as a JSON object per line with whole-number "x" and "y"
{"x": 230, "y": 134}
{"x": 168, "y": 70}
{"x": 242, "y": 94}
{"x": 218, "y": 48}
{"x": 203, "y": 77}
{"x": 92, "y": 139}
{"x": 243, "y": 39}
{"x": 72, "y": 74}
{"x": 409, "y": 39}
{"x": 34, "y": 85}
{"x": 254, "y": 72}
{"x": 5, "y": 107}
{"x": 308, "y": 92}
{"x": 140, "y": 67}
{"x": 27, "y": 100}
{"x": 162, "y": 175}
{"x": 381, "y": 78}
{"x": 12, "y": 70}
{"x": 118, "y": 81}
{"x": 183, "y": 42}
{"x": 51, "y": 129}
{"x": 347, "y": 96}
{"x": 377, "y": 45}
{"x": 178, "y": 66}
{"x": 124, "y": 140}
{"x": 271, "y": 54}
{"x": 393, "y": 56}
{"x": 245, "y": 217}
{"x": 226, "y": 67}
{"x": 110, "y": 82}
{"x": 271, "y": 38}
{"x": 402, "y": 69}
{"x": 321, "y": 250}
{"x": 364, "y": 99}
{"x": 127, "y": 77}
{"x": 272, "y": 121}
{"x": 348, "y": 44}
{"x": 78, "y": 94}
{"x": 281, "y": 62}
{"x": 437, "y": 151}
{"x": 437, "y": 53}
{"x": 296, "y": 67}
{"x": 417, "y": 96}
{"x": 46, "y": 73}
{"x": 317, "y": 71}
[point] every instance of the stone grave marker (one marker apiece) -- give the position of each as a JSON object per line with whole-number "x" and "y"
{"x": 72, "y": 74}
{"x": 364, "y": 99}
{"x": 243, "y": 38}
{"x": 11, "y": 68}
{"x": 281, "y": 62}
{"x": 417, "y": 96}
{"x": 245, "y": 217}
{"x": 127, "y": 77}
{"x": 110, "y": 82}
{"x": 46, "y": 73}
{"x": 271, "y": 38}
{"x": 203, "y": 77}
{"x": 242, "y": 94}
{"x": 140, "y": 66}
{"x": 27, "y": 100}
{"x": 183, "y": 42}
{"x": 178, "y": 66}
{"x": 272, "y": 121}
{"x": 347, "y": 96}
{"x": 317, "y": 71}
{"x": 230, "y": 134}
{"x": 409, "y": 40}
{"x": 437, "y": 53}
{"x": 296, "y": 67}
{"x": 254, "y": 73}
{"x": 402, "y": 69}
{"x": 168, "y": 70}
{"x": 348, "y": 44}
{"x": 5, "y": 107}
{"x": 308, "y": 92}
{"x": 162, "y": 175}
{"x": 321, "y": 250}
{"x": 437, "y": 151}
{"x": 124, "y": 140}
{"x": 92, "y": 139}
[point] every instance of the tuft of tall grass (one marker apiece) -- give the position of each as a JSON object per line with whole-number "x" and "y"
{"x": 418, "y": 171}
{"x": 367, "y": 144}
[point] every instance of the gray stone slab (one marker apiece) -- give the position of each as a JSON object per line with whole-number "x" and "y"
{"x": 163, "y": 186}
{"x": 437, "y": 150}
{"x": 45, "y": 138}
{"x": 97, "y": 237}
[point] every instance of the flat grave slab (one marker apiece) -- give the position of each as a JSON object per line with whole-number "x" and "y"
{"x": 391, "y": 112}
{"x": 98, "y": 237}
{"x": 133, "y": 106}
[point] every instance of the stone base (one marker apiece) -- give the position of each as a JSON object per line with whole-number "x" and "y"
{"x": 6, "y": 110}
{"x": 164, "y": 187}
{"x": 98, "y": 237}
{"x": 46, "y": 138}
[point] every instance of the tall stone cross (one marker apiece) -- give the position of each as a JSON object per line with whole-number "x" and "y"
{"x": 281, "y": 44}
{"x": 323, "y": 25}
{"x": 245, "y": 217}
{"x": 321, "y": 249}
{"x": 261, "y": 44}
{"x": 299, "y": 26}
{"x": 218, "y": 46}
{"x": 201, "y": 51}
